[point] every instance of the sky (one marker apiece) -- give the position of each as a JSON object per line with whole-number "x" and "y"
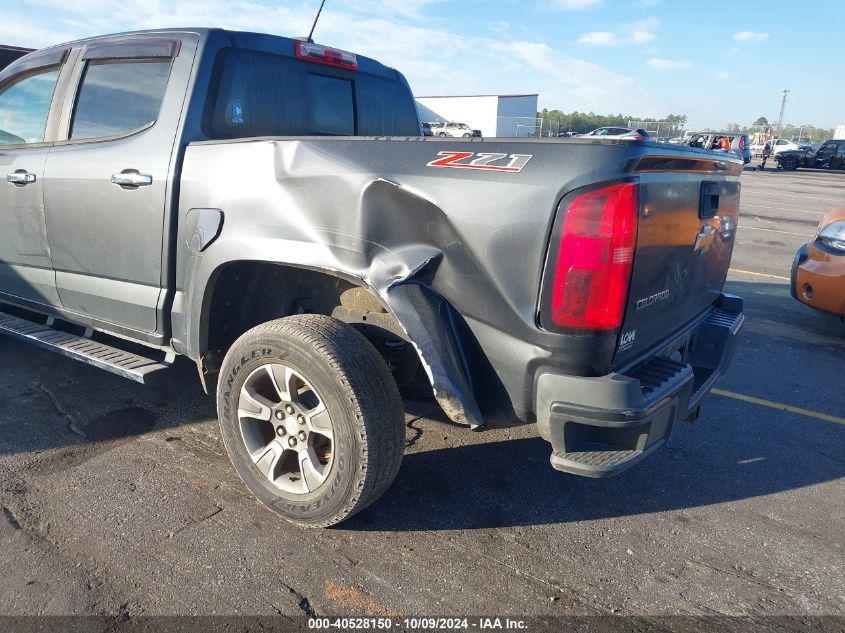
{"x": 717, "y": 61}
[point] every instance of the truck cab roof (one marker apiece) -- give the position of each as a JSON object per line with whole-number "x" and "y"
{"x": 278, "y": 44}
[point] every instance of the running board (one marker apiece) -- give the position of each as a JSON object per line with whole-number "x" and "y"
{"x": 117, "y": 361}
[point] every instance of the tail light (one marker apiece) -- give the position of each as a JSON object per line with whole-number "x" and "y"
{"x": 595, "y": 254}
{"x": 317, "y": 54}
{"x": 742, "y": 142}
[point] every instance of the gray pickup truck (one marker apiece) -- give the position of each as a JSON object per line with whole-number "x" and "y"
{"x": 268, "y": 208}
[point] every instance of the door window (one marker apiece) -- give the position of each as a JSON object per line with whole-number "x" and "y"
{"x": 118, "y": 98}
{"x": 826, "y": 152}
{"x": 24, "y": 106}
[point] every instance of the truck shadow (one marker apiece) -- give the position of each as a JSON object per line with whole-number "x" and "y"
{"x": 733, "y": 453}
{"x": 737, "y": 451}
{"x": 51, "y": 402}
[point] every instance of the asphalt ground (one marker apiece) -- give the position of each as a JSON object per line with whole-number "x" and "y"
{"x": 118, "y": 499}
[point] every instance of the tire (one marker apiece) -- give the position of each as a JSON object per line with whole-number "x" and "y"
{"x": 467, "y": 135}
{"x": 343, "y": 416}
{"x": 790, "y": 163}
{"x": 442, "y": 135}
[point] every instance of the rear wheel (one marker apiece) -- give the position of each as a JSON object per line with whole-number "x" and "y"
{"x": 467, "y": 135}
{"x": 311, "y": 418}
{"x": 443, "y": 134}
{"x": 789, "y": 163}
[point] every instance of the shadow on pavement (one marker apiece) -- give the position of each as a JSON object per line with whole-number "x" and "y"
{"x": 737, "y": 450}
{"x": 511, "y": 483}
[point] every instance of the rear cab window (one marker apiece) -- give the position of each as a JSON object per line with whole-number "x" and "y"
{"x": 332, "y": 108}
{"x": 262, "y": 93}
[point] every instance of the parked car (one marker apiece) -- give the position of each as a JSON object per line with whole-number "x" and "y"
{"x": 426, "y": 129}
{"x": 782, "y": 145}
{"x": 454, "y": 130}
{"x": 818, "y": 272}
{"x": 619, "y": 132}
{"x": 738, "y": 143}
{"x": 435, "y": 127}
{"x": 831, "y": 155}
{"x": 170, "y": 191}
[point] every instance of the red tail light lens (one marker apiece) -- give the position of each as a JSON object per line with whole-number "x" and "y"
{"x": 596, "y": 253}
{"x": 317, "y": 54}
{"x": 742, "y": 142}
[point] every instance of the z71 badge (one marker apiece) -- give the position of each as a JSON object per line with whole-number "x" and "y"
{"x": 489, "y": 161}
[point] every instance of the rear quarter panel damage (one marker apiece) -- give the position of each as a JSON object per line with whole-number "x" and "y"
{"x": 455, "y": 254}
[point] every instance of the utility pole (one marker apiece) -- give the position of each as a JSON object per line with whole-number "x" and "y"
{"x": 782, "y": 108}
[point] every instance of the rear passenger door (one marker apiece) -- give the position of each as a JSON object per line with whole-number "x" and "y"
{"x": 28, "y": 121}
{"x": 108, "y": 180}
{"x": 825, "y": 156}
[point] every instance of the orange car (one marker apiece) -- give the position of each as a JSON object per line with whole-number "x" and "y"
{"x": 818, "y": 272}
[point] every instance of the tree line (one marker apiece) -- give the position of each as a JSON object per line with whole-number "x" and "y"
{"x": 672, "y": 125}
{"x": 789, "y": 131}
{"x": 582, "y": 122}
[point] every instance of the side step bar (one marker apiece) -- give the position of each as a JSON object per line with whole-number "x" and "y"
{"x": 117, "y": 361}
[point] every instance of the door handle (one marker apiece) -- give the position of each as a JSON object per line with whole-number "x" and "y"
{"x": 132, "y": 178}
{"x": 20, "y": 178}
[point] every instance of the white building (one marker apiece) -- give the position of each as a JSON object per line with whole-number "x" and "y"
{"x": 494, "y": 115}
{"x": 839, "y": 132}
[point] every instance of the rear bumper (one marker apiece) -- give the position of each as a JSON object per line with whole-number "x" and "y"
{"x": 599, "y": 427}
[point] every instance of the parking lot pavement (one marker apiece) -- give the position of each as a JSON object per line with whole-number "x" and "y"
{"x": 118, "y": 498}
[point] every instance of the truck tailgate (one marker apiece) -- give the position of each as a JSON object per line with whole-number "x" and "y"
{"x": 685, "y": 236}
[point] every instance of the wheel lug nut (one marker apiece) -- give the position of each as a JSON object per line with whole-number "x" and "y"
{"x": 302, "y": 435}
{"x": 279, "y": 415}
{"x": 300, "y": 418}
{"x": 281, "y": 431}
{"x": 292, "y": 442}
{"x": 289, "y": 409}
